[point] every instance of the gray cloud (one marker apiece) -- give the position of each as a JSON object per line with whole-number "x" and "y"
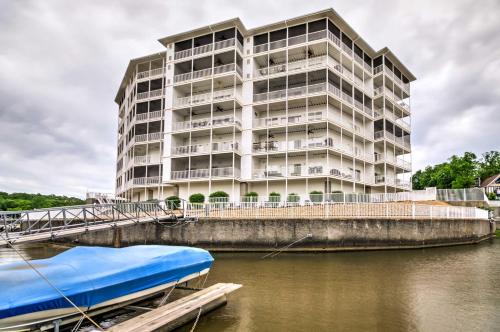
{"x": 61, "y": 62}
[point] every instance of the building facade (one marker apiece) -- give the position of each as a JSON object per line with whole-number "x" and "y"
{"x": 293, "y": 107}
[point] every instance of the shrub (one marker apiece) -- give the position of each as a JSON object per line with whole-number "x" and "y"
{"x": 492, "y": 196}
{"x": 173, "y": 202}
{"x": 219, "y": 196}
{"x": 316, "y": 196}
{"x": 293, "y": 198}
{"x": 274, "y": 197}
{"x": 197, "y": 198}
{"x": 251, "y": 196}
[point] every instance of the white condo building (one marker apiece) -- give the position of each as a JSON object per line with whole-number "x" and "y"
{"x": 292, "y": 107}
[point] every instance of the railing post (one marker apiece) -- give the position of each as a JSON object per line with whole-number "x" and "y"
{"x": 85, "y": 221}
{"x": 413, "y": 210}
{"x": 64, "y": 217}
{"x": 50, "y": 221}
{"x": 5, "y": 226}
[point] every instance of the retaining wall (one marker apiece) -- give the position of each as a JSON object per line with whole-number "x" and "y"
{"x": 326, "y": 234}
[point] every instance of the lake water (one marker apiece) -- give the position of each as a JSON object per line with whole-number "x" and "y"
{"x": 440, "y": 289}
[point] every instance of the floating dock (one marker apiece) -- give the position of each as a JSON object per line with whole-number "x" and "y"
{"x": 179, "y": 312}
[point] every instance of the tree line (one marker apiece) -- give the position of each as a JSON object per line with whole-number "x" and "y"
{"x": 24, "y": 201}
{"x": 458, "y": 172}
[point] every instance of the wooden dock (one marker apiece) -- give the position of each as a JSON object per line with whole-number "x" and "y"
{"x": 179, "y": 312}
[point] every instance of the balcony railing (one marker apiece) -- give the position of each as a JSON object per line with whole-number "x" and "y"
{"x": 279, "y": 171}
{"x": 224, "y": 120}
{"x": 206, "y": 97}
{"x": 397, "y": 99}
{"x": 206, "y": 148}
{"x": 146, "y": 159}
{"x": 149, "y": 115}
{"x": 379, "y": 158}
{"x": 203, "y": 173}
{"x": 147, "y": 180}
{"x": 302, "y": 144}
{"x": 150, "y": 94}
{"x": 219, "y": 45}
{"x": 150, "y": 73}
{"x": 148, "y": 137}
{"x": 401, "y": 140}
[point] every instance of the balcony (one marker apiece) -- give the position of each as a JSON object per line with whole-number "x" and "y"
{"x": 205, "y": 173}
{"x": 149, "y": 116}
{"x": 202, "y": 73}
{"x": 396, "y": 99}
{"x": 216, "y": 121}
{"x": 206, "y": 97}
{"x": 148, "y": 137}
{"x": 150, "y": 73}
{"x": 290, "y": 92}
{"x": 392, "y": 117}
{"x": 277, "y": 171}
{"x": 380, "y": 158}
{"x": 277, "y": 44}
{"x": 302, "y": 144}
{"x": 401, "y": 140}
{"x": 313, "y": 36}
{"x": 150, "y": 94}
{"x": 382, "y": 68}
{"x": 390, "y": 181}
{"x": 145, "y": 181}
{"x": 219, "y": 45}
{"x": 206, "y": 148}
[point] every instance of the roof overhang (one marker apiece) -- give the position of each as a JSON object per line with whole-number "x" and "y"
{"x": 234, "y": 22}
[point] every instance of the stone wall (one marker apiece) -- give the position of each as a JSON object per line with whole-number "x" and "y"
{"x": 326, "y": 234}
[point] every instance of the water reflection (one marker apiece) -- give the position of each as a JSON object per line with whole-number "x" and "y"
{"x": 442, "y": 289}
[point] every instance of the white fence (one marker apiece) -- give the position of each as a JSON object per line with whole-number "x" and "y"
{"x": 291, "y": 210}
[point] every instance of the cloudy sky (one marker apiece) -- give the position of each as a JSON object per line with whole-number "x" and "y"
{"x": 62, "y": 61}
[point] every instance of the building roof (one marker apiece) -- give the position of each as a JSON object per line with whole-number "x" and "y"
{"x": 490, "y": 180}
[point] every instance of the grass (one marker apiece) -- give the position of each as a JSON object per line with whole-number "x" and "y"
{"x": 497, "y": 233}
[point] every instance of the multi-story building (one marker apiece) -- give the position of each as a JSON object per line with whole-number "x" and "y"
{"x": 291, "y": 107}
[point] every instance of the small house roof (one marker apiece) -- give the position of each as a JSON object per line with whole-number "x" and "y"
{"x": 488, "y": 181}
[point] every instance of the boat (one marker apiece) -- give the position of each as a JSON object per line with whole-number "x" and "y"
{"x": 93, "y": 278}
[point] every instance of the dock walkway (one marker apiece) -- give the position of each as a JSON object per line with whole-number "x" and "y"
{"x": 179, "y": 312}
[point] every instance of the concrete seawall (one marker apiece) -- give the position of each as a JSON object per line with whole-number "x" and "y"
{"x": 327, "y": 234}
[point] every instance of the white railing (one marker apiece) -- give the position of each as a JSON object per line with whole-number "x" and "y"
{"x": 149, "y": 73}
{"x": 202, "y": 73}
{"x": 182, "y": 54}
{"x": 402, "y": 140}
{"x": 225, "y": 172}
{"x": 277, "y": 208}
{"x": 224, "y": 44}
{"x": 150, "y": 94}
{"x": 205, "y": 148}
{"x": 150, "y": 115}
{"x": 147, "y": 180}
{"x": 390, "y": 73}
{"x": 202, "y": 49}
{"x": 148, "y": 137}
{"x": 222, "y": 120}
{"x": 205, "y": 97}
{"x": 182, "y": 77}
{"x": 146, "y": 159}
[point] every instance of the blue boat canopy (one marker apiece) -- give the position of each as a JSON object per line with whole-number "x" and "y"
{"x": 93, "y": 275}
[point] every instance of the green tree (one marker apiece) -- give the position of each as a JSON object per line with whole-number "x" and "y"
{"x": 489, "y": 164}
